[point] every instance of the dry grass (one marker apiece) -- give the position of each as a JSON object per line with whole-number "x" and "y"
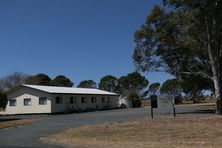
{"x": 15, "y": 123}
{"x": 162, "y": 132}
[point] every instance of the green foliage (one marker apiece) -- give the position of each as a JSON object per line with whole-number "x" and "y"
{"x": 61, "y": 80}
{"x": 194, "y": 87}
{"x": 3, "y": 100}
{"x": 39, "y": 79}
{"x": 133, "y": 82}
{"x": 154, "y": 88}
{"x": 168, "y": 37}
{"x": 171, "y": 87}
{"x": 108, "y": 83}
{"x": 87, "y": 84}
{"x": 43, "y": 79}
{"x": 178, "y": 100}
{"x": 184, "y": 37}
{"x": 136, "y": 101}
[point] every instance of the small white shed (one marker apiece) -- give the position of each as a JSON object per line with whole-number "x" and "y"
{"x": 125, "y": 102}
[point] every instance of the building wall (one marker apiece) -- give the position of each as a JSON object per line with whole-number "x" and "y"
{"x": 22, "y": 93}
{"x": 51, "y": 106}
{"x": 109, "y": 102}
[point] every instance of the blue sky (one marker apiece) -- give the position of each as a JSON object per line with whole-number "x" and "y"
{"x": 82, "y": 39}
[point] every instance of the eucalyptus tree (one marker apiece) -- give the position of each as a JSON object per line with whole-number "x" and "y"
{"x": 87, "y": 84}
{"x": 61, "y": 80}
{"x": 108, "y": 83}
{"x": 183, "y": 37}
{"x": 39, "y": 79}
{"x": 133, "y": 82}
{"x": 154, "y": 88}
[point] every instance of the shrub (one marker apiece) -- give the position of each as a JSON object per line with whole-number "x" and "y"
{"x": 136, "y": 102}
{"x": 3, "y": 100}
{"x": 178, "y": 100}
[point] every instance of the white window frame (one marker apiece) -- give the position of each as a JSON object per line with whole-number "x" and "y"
{"x": 42, "y": 100}
{"x": 29, "y": 103}
{"x": 12, "y": 102}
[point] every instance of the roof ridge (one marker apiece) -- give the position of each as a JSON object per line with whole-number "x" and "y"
{"x": 69, "y": 90}
{"x": 58, "y": 86}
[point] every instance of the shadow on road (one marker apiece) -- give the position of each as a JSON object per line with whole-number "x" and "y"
{"x": 206, "y": 111}
{"x": 10, "y": 119}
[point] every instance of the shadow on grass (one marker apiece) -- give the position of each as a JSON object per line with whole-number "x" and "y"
{"x": 206, "y": 111}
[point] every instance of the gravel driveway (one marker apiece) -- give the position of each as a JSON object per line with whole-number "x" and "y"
{"x": 28, "y": 135}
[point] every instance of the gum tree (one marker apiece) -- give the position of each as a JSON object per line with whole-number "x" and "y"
{"x": 108, "y": 83}
{"x": 183, "y": 38}
{"x": 154, "y": 88}
{"x": 87, "y": 84}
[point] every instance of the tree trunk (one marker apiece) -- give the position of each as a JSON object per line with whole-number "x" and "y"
{"x": 218, "y": 95}
{"x": 215, "y": 71}
{"x": 217, "y": 85}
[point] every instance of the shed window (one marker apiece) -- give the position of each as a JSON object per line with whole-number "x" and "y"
{"x": 59, "y": 100}
{"x": 42, "y": 101}
{"x": 12, "y": 102}
{"x": 103, "y": 99}
{"x": 27, "y": 102}
{"x": 83, "y": 100}
{"x": 72, "y": 100}
{"x": 93, "y": 99}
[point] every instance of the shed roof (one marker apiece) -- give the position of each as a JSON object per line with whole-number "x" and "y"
{"x": 69, "y": 90}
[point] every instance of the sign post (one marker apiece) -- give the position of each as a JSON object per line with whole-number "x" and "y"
{"x": 153, "y": 104}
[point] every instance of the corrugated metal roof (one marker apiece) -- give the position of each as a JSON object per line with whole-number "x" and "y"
{"x": 69, "y": 90}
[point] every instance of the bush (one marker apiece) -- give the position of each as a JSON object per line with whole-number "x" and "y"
{"x": 3, "y": 100}
{"x": 178, "y": 100}
{"x": 136, "y": 102}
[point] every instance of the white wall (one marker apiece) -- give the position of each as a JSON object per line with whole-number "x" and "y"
{"x": 51, "y": 106}
{"x": 125, "y": 102}
{"x": 22, "y": 93}
{"x": 110, "y": 102}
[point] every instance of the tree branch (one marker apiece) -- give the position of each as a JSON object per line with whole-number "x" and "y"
{"x": 198, "y": 74}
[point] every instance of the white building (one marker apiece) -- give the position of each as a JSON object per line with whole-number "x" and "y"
{"x": 31, "y": 99}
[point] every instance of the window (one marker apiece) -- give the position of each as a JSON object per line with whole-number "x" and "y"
{"x": 93, "y": 99}
{"x": 27, "y": 102}
{"x": 12, "y": 102}
{"x": 83, "y": 100}
{"x": 72, "y": 100}
{"x": 42, "y": 101}
{"x": 103, "y": 99}
{"x": 59, "y": 100}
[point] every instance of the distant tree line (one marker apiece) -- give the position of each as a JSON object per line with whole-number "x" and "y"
{"x": 133, "y": 85}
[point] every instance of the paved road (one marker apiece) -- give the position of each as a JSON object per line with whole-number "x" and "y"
{"x": 28, "y": 136}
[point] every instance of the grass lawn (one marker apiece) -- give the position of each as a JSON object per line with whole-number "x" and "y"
{"x": 182, "y": 131}
{"x": 14, "y": 122}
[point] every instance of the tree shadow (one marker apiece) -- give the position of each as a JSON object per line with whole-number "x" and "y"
{"x": 8, "y": 119}
{"x": 205, "y": 111}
